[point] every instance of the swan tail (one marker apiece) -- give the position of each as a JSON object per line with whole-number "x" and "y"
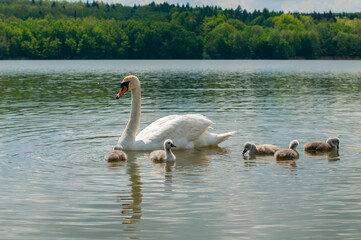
{"x": 225, "y": 136}
{"x": 212, "y": 139}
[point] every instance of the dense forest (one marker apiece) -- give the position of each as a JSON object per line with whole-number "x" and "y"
{"x": 44, "y": 29}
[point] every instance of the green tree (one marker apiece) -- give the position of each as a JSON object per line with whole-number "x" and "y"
{"x": 49, "y": 29}
{"x": 219, "y": 42}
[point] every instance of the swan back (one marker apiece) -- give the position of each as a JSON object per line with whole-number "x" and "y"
{"x": 189, "y": 131}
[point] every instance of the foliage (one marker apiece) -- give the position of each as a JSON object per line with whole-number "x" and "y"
{"x": 62, "y": 30}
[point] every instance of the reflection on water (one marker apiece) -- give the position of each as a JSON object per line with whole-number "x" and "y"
{"x": 330, "y": 155}
{"x": 58, "y": 118}
{"x": 131, "y": 204}
{"x": 252, "y": 160}
{"x": 191, "y": 159}
{"x": 132, "y": 210}
{"x": 289, "y": 164}
{"x": 200, "y": 157}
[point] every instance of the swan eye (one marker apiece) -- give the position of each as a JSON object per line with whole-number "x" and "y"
{"x": 126, "y": 84}
{"x": 123, "y": 89}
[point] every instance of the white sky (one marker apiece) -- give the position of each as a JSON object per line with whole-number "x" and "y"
{"x": 250, "y": 5}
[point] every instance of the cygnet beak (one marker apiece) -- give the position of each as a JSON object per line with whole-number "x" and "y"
{"x": 244, "y": 151}
{"x": 172, "y": 145}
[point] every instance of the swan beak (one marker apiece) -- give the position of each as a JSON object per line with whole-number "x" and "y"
{"x": 172, "y": 145}
{"x": 121, "y": 92}
{"x": 123, "y": 89}
{"x": 244, "y": 151}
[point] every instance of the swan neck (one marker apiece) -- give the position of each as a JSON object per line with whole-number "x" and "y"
{"x": 130, "y": 131}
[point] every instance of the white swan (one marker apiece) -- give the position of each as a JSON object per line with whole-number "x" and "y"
{"x": 188, "y": 131}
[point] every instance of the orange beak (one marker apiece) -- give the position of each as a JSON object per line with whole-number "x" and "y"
{"x": 123, "y": 89}
{"x": 121, "y": 92}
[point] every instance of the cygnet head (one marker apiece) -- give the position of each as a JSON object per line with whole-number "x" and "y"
{"x": 116, "y": 154}
{"x": 130, "y": 82}
{"x": 118, "y": 147}
{"x": 334, "y": 142}
{"x": 293, "y": 144}
{"x": 168, "y": 144}
{"x": 248, "y": 146}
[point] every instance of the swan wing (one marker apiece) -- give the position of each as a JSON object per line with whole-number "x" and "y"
{"x": 182, "y": 129}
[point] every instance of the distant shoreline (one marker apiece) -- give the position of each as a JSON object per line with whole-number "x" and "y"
{"x": 49, "y": 29}
{"x": 175, "y": 59}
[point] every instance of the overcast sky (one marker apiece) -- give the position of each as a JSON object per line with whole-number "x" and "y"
{"x": 250, "y": 5}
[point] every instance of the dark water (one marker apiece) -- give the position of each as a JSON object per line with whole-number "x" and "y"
{"x": 58, "y": 118}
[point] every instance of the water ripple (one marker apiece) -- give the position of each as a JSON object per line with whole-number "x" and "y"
{"x": 58, "y": 120}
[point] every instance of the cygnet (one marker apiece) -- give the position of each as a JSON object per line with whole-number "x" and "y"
{"x": 289, "y": 153}
{"x": 165, "y": 155}
{"x": 116, "y": 154}
{"x": 254, "y": 149}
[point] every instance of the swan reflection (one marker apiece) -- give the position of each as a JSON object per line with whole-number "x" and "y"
{"x": 192, "y": 158}
{"x": 331, "y": 156}
{"x": 131, "y": 204}
{"x": 288, "y": 164}
{"x": 191, "y": 162}
{"x": 253, "y": 160}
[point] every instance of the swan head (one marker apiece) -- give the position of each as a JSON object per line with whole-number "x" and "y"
{"x": 247, "y": 146}
{"x": 168, "y": 144}
{"x": 334, "y": 142}
{"x": 129, "y": 83}
{"x": 294, "y": 144}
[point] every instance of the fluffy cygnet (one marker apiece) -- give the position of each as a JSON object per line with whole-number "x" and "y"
{"x": 254, "y": 149}
{"x": 165, "y": 155}
{"x": 116, "y": 154}
{"x": 330, "y": 144}
{"x": 289, "y": 153}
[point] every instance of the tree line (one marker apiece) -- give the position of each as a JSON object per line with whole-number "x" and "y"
{"x": 43, "y": 29}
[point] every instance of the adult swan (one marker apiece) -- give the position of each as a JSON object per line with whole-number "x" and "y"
{"x": 186, "y": 131}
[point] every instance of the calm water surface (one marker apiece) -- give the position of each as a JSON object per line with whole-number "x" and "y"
{"x": 58, "y": 118}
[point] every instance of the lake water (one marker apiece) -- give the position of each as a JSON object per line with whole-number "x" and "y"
{"x": 59, "y": 118}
